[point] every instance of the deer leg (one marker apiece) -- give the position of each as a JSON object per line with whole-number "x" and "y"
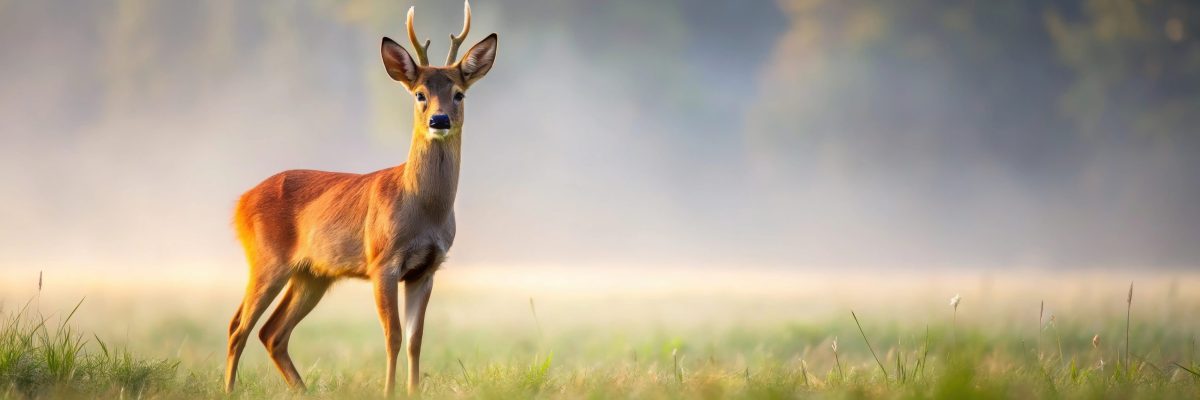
{"x": 261, "y": 290}
{"x": 416, "y": 299}
{"x": 386, "y": 300}
{"x": 303, "y": 293}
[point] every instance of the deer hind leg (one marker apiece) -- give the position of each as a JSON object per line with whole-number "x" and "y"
{"x": 265, "y": 284}
{"x": 303, "y": 293}
{"x": 416, "y": 300}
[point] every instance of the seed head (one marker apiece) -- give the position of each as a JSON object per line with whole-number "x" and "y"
{"x": 955, "y": 300}
{"x": 1041, "y": 313}
{"x": 834, "y": 344}
{"x": 1096, "y": 341}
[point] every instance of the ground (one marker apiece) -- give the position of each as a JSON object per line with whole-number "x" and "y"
{"x": 503, "y": 332}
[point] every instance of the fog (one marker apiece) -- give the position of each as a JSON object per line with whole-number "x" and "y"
{"x": 732, "y": 134}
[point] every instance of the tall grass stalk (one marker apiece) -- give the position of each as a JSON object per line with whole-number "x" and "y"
{"x": 1189, "y": 370}
{"x": 1057, "y": 338}
{"x": 466, "y": 376}
{"x": 1128, "y": 314}
{"x": 954, "y": 319}
{"x": 537, "y": 321}
{"x": 924, "y": 361}
{"x": 804, "y": 371}
{"x": 679, "y": 369}
{"x": 1040, "y": 326}
{"x": 883, "y": 370}
{"x": 837, "y": 359}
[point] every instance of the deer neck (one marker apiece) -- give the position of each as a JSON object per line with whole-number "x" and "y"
{"x": 430, "y": 176}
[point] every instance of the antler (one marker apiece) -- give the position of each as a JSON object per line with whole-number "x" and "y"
{"x": 455, "y": 41}
{"x": 422, "y": 51}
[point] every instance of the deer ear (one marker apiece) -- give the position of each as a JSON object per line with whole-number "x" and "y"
{"x": 400, "y": 66}
{"x": 478, "y": 61}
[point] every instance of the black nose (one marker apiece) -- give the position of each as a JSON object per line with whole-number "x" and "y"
{"x": 439, "y": 121}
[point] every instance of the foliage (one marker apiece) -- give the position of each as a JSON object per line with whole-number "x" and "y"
{"x": 38, "y": 360}
{"x": 41, "y": 362}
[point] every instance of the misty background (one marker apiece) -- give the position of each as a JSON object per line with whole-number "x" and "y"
{"x": 797, "y": 133}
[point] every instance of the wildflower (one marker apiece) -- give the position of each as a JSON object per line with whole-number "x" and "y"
{"x": 954, "y": 321}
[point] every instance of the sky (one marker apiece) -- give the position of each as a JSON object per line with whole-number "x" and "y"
{"x": 697, "y": 134}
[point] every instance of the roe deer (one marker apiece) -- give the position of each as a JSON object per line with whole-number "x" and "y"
{"x": 309, "y": 228}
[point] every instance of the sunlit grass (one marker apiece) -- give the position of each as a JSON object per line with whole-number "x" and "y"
{"x": 41, "y": 358}
{"x": 544, "y": 348}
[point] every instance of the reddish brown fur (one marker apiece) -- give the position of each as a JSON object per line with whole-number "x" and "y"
{"x": 306, "y": 228}
{"x": 276, "y": 201}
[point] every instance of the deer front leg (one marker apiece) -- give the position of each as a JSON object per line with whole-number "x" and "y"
{"x": 386, "y": 299}
{"x": 416, "y": 299}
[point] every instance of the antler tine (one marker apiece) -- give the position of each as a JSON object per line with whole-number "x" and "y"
{"x": 422, "y": 51}
{"x": 455, "y": 41}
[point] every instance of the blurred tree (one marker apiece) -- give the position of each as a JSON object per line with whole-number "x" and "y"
{"x": 914, "y": 81}
{"x": 960, "y": 119}
{"x": 942, "y": 105}
{"x": 1136, "y": 69}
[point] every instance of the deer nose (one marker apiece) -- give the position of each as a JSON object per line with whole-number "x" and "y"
{"x": 439, "y": 121}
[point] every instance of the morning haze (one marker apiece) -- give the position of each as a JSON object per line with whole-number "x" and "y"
{"x": 793, "y": 134}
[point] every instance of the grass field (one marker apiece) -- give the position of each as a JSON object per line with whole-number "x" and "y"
{"x": 554, "y": 333}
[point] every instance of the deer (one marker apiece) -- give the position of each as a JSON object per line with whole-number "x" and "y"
{"x": 306, "y": 229}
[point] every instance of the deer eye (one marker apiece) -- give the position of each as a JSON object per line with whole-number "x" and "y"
{"x": 421, "y": 97}
{"x": 458, "y": 96}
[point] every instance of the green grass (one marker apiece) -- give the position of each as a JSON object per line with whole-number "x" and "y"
{"x": 40, "y": 358}
{"x": 535, "y": 354}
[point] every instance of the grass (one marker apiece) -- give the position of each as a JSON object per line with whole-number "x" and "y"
{"x": 40, "y": 360}
{"x": 539, "y": 355}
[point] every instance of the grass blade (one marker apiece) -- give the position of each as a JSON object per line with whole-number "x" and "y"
{"x": 1128, "y": 312}
{"x": 1189, "y": 370}
{"x": 864, "y": 335}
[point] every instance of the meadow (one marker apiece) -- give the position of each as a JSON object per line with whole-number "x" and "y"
{"x": 625, "y": 332}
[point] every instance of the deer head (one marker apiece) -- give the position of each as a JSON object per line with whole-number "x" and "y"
{"x": 439, "y": 91}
